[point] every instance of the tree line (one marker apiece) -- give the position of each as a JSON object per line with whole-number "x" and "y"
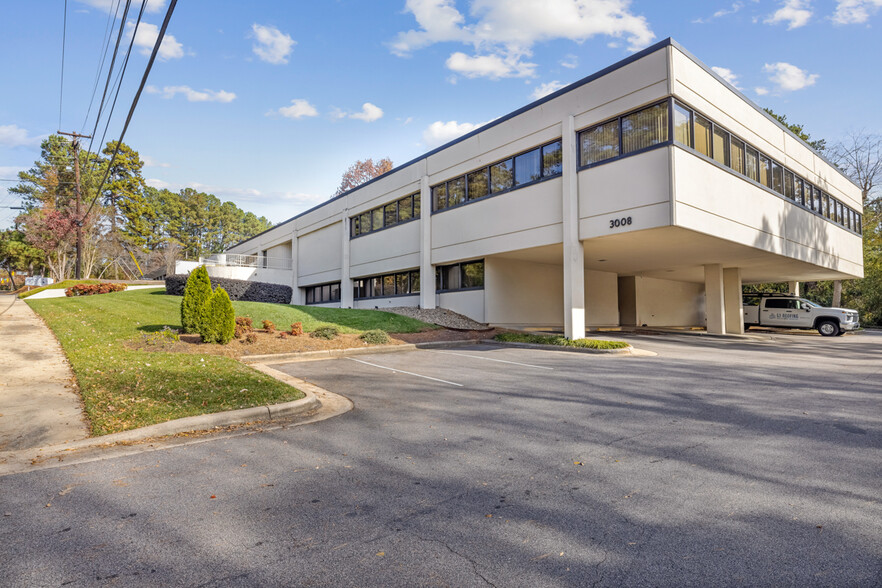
{"x": 131, "y": 227}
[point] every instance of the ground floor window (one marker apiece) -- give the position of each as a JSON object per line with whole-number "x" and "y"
{"x": 398, "y": 284}
{"x": 467, "y": 275}
{"x": 323, "y": 293}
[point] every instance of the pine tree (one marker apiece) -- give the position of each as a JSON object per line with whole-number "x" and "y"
{"x": 196, "y": 295}
{"x": 218, "y": 323}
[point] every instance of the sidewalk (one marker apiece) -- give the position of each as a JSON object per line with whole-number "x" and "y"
{"x": 38, "y": 402}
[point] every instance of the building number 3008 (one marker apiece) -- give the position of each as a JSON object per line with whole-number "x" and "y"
{"x": 619, "y": 222}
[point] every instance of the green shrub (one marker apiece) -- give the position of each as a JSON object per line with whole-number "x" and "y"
{"x": 218, "y": 324}
{"x": 196, "y": 294}
{"x": 327, "y": 332}
{"x": 375, "y": 337}
{"x": 162, "y": 337}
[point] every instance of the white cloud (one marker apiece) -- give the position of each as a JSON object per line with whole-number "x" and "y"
{"x": 299, "y": 108}
{"x": 438, "y": 133}
{"x": 795, "y": 13}
{"x": 570, "y": 61}
{"x": 855, "y": 11}
{"x": 146, "y": 37}
{"x": 503, "y": 32}
{"x": 760, "y": 91}
{"x": 272, "y": 46}
{"x": 369, "y": 113}
{"x": 150, "y": 162}
{"x": 546, "y": 89}
{"x": 152, "y": 5}
{"x": 788, "y": 78}
{"x": 15, "y": 136}
{"x": 192, "y": 95}
{"x": 489, "y": 66}
{"x": 728, "y": 75}
{"x": 736, "y": 6}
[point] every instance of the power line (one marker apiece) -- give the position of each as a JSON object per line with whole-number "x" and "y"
{"x": 159, "y": 38}
{"x": 122, "y": 25}
{"x": 122, "y": 73}
{"x": 63, "y": 43}
{"x": 103, "y": 55}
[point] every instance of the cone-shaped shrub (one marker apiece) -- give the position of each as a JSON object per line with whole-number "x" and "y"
{"x": 196, "y": 294}
{"x": 218, "y": 322}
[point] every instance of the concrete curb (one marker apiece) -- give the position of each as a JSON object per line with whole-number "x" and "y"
{"x": 350, "y": 351}
{"x": 202, "y": 422}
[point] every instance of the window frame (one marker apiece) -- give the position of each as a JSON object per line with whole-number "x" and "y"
{"x": 369, "y": 213}
{"x": 319, "y": 288}
{"x": 459, "y": 267}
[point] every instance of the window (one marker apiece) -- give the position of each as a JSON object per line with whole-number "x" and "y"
{"x": 439, "y": 196}
{"x": 682, "y": 124}
{"x": 399, "y": 211}
{"x": 405, "y": 209}
{"x": 645, "y": 128}
{"x": 859, "y": 218}
{"x": 736, "y": 155}
{"x": 478, "y": 184}
{"x": 323, "y": 293}
{"x": 840, "y": 216}
{"x": 552, "y": 159}
{"x": 527, "y": 167}
{"x": 377, "y": 221}
{"x": 782, "y": 303}
{"x": 398, "y": 284}
{"x": 817, "y": 205}
{"x": 460, "y": 276}
{"x": 798, "y": 193}
{"x": 765, "y": 171}
{"x": 391, "y": 214}
{"x": 531, "y": 166}
{"x": 456, "y": 191}
{"x": 721, "y": 145}
{"x": 751, "y": 162}
{"x": 825, "y": 205}
{"x": 703, "y": 134}
{"x": 788, "y": 184}
{"x": 777, "y": 177}
{"x": 599, "y": 143}
{"x": 502, "y": 176}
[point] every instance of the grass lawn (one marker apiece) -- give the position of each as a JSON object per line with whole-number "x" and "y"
{"x": 63, "y": 284}
{"x": 560, "y": 341}
{"x": 124, "y": 388}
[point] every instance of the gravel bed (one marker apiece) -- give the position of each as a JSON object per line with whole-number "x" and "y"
{"x": 439, "y": 316}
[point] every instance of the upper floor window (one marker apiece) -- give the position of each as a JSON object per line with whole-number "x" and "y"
{"x": 388, "y": 215}
{"x": 521, "y": 170}
{"x": 628, "y": 133}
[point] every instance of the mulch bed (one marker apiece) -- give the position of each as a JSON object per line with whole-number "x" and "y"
{"x": 271, "y": 343}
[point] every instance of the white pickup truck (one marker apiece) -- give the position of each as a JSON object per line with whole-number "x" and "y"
{"x": 792, "y": 312}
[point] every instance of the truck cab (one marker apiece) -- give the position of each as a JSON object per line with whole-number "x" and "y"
{"x": 793, "y": 312}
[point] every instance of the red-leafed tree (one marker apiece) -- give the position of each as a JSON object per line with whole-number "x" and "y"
{"x": 361, "y": 172}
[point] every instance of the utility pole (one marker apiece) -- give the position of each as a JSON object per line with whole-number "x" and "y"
{"x": 79, "y": 220}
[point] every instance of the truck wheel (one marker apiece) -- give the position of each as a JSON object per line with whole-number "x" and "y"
{"x": 828, "y": 328}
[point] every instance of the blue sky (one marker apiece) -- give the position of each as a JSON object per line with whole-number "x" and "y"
{"x": 266, "y": 103}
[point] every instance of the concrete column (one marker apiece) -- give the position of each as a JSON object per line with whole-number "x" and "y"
{"x": 427, "y": 271}
{"x": 734, "y": 307}
{"x": 793, "y": 288}
{"x": 714, "y": 303}
{"x": 573, "y": 253}
{"x": 296, "y": 295}
{"x": 346, "y": 300}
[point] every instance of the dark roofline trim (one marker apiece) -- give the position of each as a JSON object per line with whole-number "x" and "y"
{"x": 758, "y": 108}
{"x": 669, "y": 42}
{"x": 609, "y": 69}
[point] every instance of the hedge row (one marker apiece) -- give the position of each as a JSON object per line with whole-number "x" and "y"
{"x": 92, "y": 289}
{"x": 236, "y": 289}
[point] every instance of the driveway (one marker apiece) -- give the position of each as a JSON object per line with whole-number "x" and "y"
{"x": 719, "y": 462}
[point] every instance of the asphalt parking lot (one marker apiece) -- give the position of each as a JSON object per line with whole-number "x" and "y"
{"x": 716, "y": 463}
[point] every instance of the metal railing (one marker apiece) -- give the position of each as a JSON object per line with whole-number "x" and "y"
{"x": 239, "y": 260}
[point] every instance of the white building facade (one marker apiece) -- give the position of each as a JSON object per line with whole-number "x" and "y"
{"x": 645, "y": 194}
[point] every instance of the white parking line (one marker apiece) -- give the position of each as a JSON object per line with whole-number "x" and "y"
{"x": 538, "y": 367}
{"x": 382, "y": 367}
